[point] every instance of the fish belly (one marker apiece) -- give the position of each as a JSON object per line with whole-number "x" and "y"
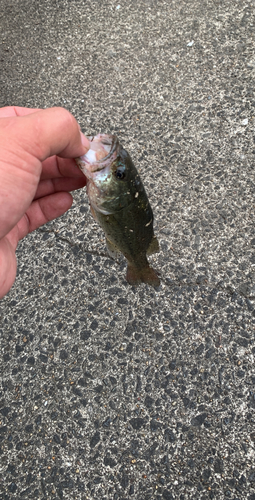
{"x": 131, "y": 233}
{"x": 126, "y": 230}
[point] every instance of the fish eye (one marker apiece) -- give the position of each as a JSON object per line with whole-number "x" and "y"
{"x": 120, "y": 172}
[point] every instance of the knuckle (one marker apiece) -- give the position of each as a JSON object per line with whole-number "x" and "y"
{"x": 68, "y": 119}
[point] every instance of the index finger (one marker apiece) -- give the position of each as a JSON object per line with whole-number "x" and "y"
{"x": 49, "y": 132}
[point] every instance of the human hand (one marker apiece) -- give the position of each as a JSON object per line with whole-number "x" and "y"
{"x": 34, "y": 183}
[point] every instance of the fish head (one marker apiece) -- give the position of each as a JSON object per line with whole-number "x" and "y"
{"x": 111, "y": 175}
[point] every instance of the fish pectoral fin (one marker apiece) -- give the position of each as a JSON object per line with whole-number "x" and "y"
{"x": 153, "y": 246}
{"x": 143, "y": 275}
{"x": 112, "y": 249}
{"x": 93, "y": 213}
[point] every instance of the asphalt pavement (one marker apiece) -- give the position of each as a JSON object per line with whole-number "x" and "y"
{"x": 110, "y": 391}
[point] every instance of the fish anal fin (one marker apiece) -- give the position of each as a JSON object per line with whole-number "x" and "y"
{"x": 143, "y": 275}
{"x": 153, "y": 246}
{"x": 112, "y": 249}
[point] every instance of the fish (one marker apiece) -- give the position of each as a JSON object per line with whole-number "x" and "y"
{"x": 120, "y": 205}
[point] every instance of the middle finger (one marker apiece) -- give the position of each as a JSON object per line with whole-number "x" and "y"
{"x": 50, "y": 186}
{"x": 56, "y": 167}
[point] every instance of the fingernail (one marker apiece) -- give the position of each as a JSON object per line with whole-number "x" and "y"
{"x": 85, "y": 141}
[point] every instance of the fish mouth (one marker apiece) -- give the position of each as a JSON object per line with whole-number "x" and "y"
{"x": 104, "y": 149}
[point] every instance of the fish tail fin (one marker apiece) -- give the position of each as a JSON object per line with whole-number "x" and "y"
{"x": 142, "y": 275}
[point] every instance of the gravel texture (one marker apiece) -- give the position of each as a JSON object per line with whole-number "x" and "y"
{"x": 110, "y": 391}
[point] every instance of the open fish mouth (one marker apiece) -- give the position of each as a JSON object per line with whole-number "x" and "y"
{"x": 103, "y": 151}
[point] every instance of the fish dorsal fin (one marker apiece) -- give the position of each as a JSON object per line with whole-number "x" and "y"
{"x": 153, "y": 246}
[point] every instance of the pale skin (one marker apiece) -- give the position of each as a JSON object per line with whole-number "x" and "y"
{"x": 37, "y": 171}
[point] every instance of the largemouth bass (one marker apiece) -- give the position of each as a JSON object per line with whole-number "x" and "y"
{"x": 119, "y": 203}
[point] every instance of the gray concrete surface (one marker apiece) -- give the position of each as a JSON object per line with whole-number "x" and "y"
{"x": 110, "y": 391}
